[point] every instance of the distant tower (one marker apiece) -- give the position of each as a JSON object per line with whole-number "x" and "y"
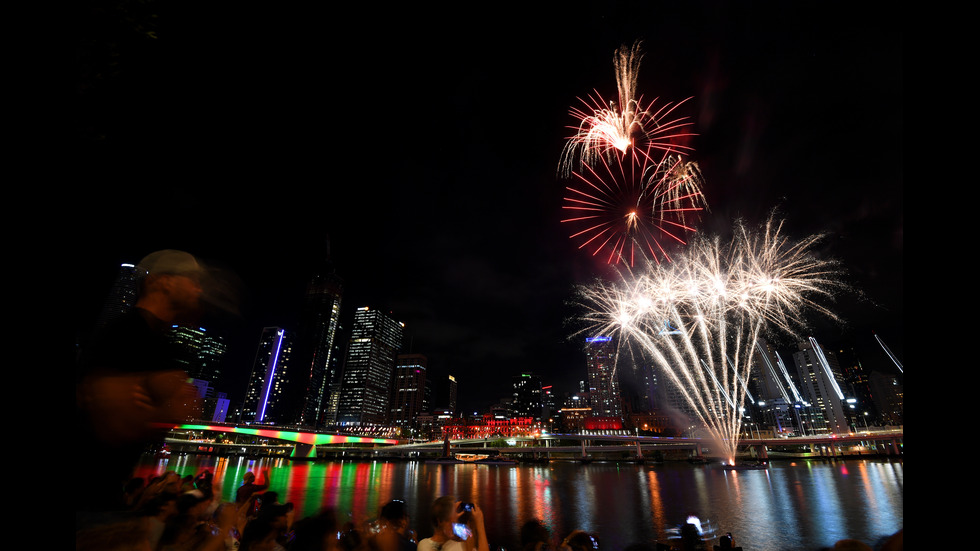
{"x": 445, "y": 389}
{"x": 527, "y": 394}
{"x": 549, "y": 408}
{"x": 636, "y": 383}
{"x": 198, "y": 353}
{"x": 316, "y": 343}
{"x": 820, "y": 384}
{"x": 408, "y": 395}
{"x": 604, "y": 396}
{"x": 453, "y": 387}
{"x": 889, "y": 393}
{"x": 777, "y": 399}
{"x": 263, "y": 399}
{"x": 122, "y": 297}
{"x": 366, "y": 386}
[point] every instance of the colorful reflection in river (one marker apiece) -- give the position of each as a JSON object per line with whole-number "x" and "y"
{"x": 799, "y": 505}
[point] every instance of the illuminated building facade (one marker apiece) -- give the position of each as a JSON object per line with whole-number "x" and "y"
{"x": 197, "y": 352}
{"x": 267, "y": 383}
{"x": 604, "y": 395}
{"x": 365, "y": 393}
{"x": 486, "y": 426}
{"x": 572, "y": 415}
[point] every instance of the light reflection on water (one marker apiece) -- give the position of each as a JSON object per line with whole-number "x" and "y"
{"x": 791, "y": 505}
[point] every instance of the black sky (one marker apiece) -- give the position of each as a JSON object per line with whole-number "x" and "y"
{"x": 425, "y": 142}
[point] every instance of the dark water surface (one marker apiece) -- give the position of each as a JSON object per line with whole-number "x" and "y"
{"x": 807, "y": 504}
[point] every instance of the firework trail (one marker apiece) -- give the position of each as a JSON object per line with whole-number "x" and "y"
{"x": 718, "y": 298}
{"x": 888, "y": 351}
{"x": 629, "y": 123}
{"x": 641, "y": 201}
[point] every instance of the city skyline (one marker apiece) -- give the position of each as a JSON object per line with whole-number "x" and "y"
{"x": 455, "y": 228}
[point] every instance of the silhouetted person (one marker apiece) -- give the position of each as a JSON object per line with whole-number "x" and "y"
{"x": 393, "y": 532}
{"x": 580, "y": 541}
{"x": 691, "y": 538}
{"x": 129, "y": 389}
{"x": 250, "y": 487}
{"x": 535, "y": 536}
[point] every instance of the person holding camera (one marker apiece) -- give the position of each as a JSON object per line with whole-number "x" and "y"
{"x": 457, "y": 526}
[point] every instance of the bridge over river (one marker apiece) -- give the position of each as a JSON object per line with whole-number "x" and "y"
{"x": 228, "y": 439}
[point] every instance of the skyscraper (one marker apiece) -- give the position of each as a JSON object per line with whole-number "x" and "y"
{"x": 777, "y": 398}
{"x": 889, "y": 397}
{"x": 527, "y": 393}
{"x": 604, "y": 396}
{"x": 366, "y": 385}
{"x": 264, "y": 398}
{"x": 316, "y": 344}
{"x": 442, "y": 393}
{"x": 198, "y": 352}
{"x": 408, "y": 393}
{"x": 122, "y": 297}
{"x": 820, "y": 384}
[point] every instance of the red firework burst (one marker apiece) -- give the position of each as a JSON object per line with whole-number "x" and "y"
{"x": 634, "y": 205}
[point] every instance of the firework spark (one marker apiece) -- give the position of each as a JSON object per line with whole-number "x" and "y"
{"x": 634, "y": 207}
{"x": 717, "y": 298}
{"x": 629, "y": 123}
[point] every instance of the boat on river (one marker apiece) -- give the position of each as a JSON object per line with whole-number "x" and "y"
{"x": 745, "y": 466}
{"x": 496, "y": 458}
{"x": 473, "y": 459}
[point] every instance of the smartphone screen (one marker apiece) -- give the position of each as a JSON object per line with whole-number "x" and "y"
{"x": 461, "y": 531}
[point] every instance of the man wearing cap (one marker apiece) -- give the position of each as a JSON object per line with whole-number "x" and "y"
{"x": 129, "y": 389}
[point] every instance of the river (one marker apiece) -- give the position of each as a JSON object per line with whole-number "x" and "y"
{"x": 792, "y": 505}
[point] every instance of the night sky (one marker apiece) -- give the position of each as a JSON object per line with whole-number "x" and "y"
{"x": 424, "y": 144}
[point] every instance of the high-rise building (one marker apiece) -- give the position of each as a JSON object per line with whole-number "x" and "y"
{"x": 549, "y": 409}
{"x": 604, "y": 395}
{"x": 452, "y": 391}
{"x": 408, "y": 392}
{"x": 316, "y": 346}
{"x": 197, "y": 352}
{"x": 820, "y": 384}
{"x": 365, "y": 393}
{"x": 888, "y": 393}
{"x": 441, "y": 392}
{"x": 637, "y": 384}
{"x": 776, "y": 398}
{"x": 526, "y": 400}
{"x": 122, "y": 297}
{"x": 264, "y": 398}
{"x": 858, "y": 385}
